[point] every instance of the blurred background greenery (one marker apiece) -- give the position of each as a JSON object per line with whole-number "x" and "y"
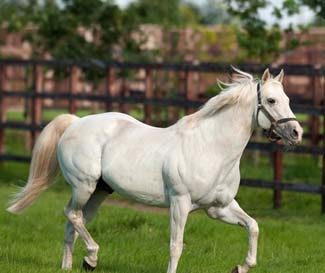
{"x": 104, "y": 29}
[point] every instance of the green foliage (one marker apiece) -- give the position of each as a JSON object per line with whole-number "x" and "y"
{"x": 94, "y": 29}
{"x": 291, "y": 6}
{"x": 15, "y": 14}
{"x": 293, "y": 43}
{"x": 213, "y": 90}
{"x": 168, "y": 13}
{"x": 74, "y": 29}
{"x": 318, "y": 6}
{"x": 80, "y": 29}
{"x": 190, "y": 14}
{"x": 258, "y": 39}
{"x": 156, "y": 12}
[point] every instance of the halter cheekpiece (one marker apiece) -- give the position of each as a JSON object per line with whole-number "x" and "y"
{"x": 274, "y": 123}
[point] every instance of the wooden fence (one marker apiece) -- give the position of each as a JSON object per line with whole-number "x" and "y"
{"x": 35, "y": 95}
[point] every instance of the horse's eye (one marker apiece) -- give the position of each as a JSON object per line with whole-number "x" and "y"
{"x": 271, "y": 101}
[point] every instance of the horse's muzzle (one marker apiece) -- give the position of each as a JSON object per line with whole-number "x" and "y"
{"x": 291, "y": 132}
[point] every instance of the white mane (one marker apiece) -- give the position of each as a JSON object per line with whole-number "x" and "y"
{"x": 231, "y": 94}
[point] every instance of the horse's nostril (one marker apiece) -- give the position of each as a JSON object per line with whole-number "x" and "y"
{"x": 294, "y": 133}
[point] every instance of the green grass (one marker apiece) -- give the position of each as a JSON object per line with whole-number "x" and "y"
{"x": 137, "y": 242}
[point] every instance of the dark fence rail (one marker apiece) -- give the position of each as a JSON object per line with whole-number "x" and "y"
{"x": 36, "y": 94}
{"x": 307, "y": 70}
{"x": 297, "y": 108}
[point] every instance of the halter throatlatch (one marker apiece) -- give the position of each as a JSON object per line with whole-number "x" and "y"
{"x": 274, "y": 123}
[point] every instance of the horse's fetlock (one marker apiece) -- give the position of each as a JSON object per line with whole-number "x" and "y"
{"x": 93, "y": 248}
{"x": 251, "y": 262}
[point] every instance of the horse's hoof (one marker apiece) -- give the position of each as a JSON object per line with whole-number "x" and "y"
{"x": 235, "y": 270}
{"x": 86, "y": 266}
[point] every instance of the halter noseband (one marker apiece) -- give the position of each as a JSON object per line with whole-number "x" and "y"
{"x": 274, "y": 123}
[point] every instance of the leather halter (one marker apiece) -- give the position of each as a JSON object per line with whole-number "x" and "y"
{"x": 274, "y": 123}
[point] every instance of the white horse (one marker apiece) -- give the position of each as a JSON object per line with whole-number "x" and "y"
{"x": 190, "y": 165}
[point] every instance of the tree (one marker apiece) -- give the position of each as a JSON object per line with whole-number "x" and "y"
{"x": 167, "y": 13}
{"x": 158, "y": 12}
{"x": 73, "y": 29}
{"x": 257, "y": 38}
{"x": 319, "y": 7}
{"x": 190, "y": 14}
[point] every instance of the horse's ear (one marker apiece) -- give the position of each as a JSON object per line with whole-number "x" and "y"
{"x": 280, "y": 76}
{"x": 266, "y": 75}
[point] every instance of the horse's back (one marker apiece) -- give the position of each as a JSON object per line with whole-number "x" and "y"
{"x": 81, "y": 145}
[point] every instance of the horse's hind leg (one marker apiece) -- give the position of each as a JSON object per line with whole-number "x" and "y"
{"x": 71, "y": 234}
{"x": 233, "y": 214}
{"x": 75, "y": 215}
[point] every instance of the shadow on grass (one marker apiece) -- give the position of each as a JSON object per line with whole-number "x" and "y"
{"x": 123, "y": 268}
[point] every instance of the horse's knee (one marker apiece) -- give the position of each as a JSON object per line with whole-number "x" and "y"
{"x": 75, "y": 217}
{"x": 253, "y": 228}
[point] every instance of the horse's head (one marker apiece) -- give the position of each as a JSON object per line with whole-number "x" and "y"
{"x": 273, "y": 112}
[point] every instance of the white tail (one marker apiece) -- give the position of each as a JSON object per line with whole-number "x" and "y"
{"x": 44, "y": 164}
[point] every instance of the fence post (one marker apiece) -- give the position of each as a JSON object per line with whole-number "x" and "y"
{"x": 72, "y": 89}
{"x": 110, "y": 78}
{"x": 122, "y": 95}
{"x": 2, "y": 109}
{"x": 323, "y": 143}
{"x": 174, "y": 111}
{"x": 277, "y": 177}
{"x": 277, "y": 157}
{"x": 323, "y": 165}
{"x": 36, "y": 102}
{"x": 315, "y": 122}
{"x": 148, "y": 96}
{"x": 188, "y": 90}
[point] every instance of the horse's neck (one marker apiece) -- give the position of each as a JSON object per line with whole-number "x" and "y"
{"x": 229, "y": 129}
{"x": 232, "y": 127}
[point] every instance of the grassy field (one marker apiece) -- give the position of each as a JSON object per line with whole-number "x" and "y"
{"x": 292, "y": 239}
{"x": 137, "y": 242}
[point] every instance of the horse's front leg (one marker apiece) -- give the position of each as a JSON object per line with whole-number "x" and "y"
{"x": 180, "y": 206}
{"x": 233, "y": 214}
